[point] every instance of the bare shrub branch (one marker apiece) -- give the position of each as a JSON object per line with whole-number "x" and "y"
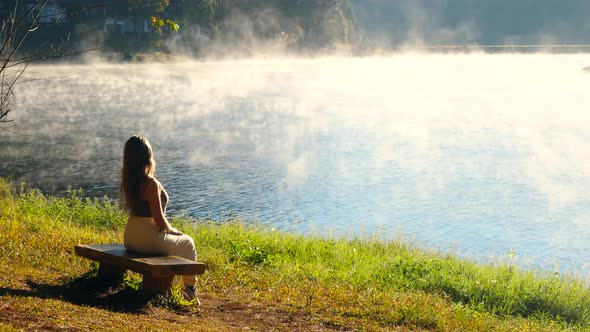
{"x": 13, "y": 33}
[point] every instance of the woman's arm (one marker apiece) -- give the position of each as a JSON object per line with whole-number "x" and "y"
{"x": 167, "y": 198}
{"x": 152, "y": 195}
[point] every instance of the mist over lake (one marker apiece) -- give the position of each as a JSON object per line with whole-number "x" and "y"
{"x": 480, "y": 154}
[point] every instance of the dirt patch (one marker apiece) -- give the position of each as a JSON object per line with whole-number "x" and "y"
{"x": 264, "y": 317}
{"x": 51, "y": 305}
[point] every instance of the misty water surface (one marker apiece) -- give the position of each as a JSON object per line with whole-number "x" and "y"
{"x": 479, "y": 154}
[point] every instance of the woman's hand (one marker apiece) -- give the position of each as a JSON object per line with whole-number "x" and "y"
{"x": 172, "y": 231}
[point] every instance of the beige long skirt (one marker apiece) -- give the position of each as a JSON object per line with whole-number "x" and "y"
{"x": 142, "y": 235}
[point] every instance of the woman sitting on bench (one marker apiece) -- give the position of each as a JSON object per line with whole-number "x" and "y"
{"x": 148, "y": 231}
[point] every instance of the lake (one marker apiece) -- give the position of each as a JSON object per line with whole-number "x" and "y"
{"x": 482, "y": 155}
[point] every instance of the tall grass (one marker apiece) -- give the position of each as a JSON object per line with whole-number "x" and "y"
{"x": 367, "y": 283}
{"x": 373, "y": 265}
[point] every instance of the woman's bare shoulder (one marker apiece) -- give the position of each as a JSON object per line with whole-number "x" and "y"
{"x": 152, "y": 184}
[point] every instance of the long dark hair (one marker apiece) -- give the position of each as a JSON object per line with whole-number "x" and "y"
{"x": 138, "y": 165}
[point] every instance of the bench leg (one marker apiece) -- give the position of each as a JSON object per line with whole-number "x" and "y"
{"x": 161, "y": 285}
{"x": 107, "y": 271}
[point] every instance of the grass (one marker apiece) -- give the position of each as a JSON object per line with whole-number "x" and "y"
{"x": 264, "y": 279}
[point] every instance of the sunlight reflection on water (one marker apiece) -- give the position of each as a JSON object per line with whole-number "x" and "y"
{"x": 481, "y": 153}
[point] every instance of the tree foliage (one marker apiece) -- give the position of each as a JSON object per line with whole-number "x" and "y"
{"x": 159, "y": 23}
{"x": 147, "y": 6}
{"x": 307, "y": 22}
{"x": 200, "y": 12}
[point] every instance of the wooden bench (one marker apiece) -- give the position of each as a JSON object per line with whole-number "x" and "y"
{"x": 158, "y": 271}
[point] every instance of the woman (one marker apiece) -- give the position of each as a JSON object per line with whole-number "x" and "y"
{"x": 148, "y": 231}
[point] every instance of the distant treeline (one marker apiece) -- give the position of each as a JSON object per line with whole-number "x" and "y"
{"x": 394, "y": 23}
{"x": 124, "y": 25}
{"x": 302, "y": 23}
{"x": 305, "y": 23}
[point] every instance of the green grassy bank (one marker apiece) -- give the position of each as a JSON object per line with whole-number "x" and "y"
{"x": 264, "y": 280}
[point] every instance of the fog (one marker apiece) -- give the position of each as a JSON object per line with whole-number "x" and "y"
{"x": 482, "y": 153}
{"x": 460, "y": 22}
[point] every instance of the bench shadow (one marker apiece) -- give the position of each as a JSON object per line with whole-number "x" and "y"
{"x": 89, "y": 290}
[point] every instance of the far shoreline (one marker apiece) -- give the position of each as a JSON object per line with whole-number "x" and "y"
{"x": 341, "y": 51}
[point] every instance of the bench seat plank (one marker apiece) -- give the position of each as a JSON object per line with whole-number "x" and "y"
{"x": 153, "y": 265}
